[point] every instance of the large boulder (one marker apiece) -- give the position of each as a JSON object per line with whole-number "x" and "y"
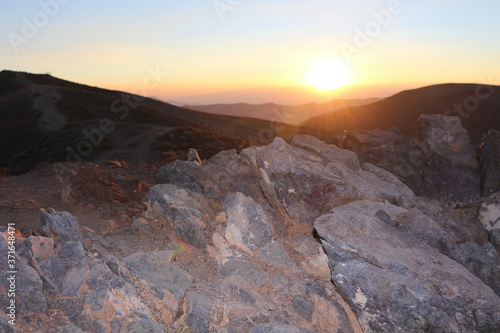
{"x": 248, "y": 225}
{"x": 188, "y": 211}
{"x": 61, "y": 226}
{"x": 442, "y": 146}
{"x": 383, "y": 272}
{"x": 211, "y": 178}
{"x": 389, "y": 150}
{"x": 446, "y": 148}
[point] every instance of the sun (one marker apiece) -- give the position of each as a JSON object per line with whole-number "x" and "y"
{"x": 327, "y": 74}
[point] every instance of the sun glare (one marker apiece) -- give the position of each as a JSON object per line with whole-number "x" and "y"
{"x": 327, "y": 75}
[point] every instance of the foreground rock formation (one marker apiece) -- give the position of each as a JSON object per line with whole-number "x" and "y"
{"x": 299, "y": 237}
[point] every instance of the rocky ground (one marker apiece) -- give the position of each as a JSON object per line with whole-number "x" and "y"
{"x": 377, "y": 234}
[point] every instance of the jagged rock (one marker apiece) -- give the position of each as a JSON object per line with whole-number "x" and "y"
{"x": 193, "y": 156}
{"x": 39, "y": 248}
{"x": 303, "y": 307}
{"x": 489, "y": 161}
{"x": 495, "y": 239}
{"x": 144, "y": 325}
{"x": 442, "y": 145}
{"x": 383, "y": 272}
{"x": 231, "y": 316}
{"x": 61, "y": 226}
{"x": 276, "y": 253}
{"x": 300, "y": 185}
{"x": 445, "y": 144}
{"x": 161, "y": 277}
{"x": 388, "y": 150}
{"x": 489, "y": 212}
{"x": 442, "y": 134}
{"x": 278, "y": 328}
{"x": 57, "y": 276}
{"x": 25, "y": 283}
{"x": 248, "y": 226}
{"x": 197, "y": 309}
{"x": 185, "y": 174}
{"x": 296, "y": 183}
{"x": 211, "y": 178}
{"x": 315, "y": 260}
{"x": 483, "y": 262}
{"x": 330, "y": 153}
{"x": 141, "y": 225}
{"x": 189, "y": 212}
{"x": 241, "y": 266}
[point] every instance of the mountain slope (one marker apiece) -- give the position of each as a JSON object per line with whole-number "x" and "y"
{"x": 45, "y": 119}
{"x": 403, "y": 109}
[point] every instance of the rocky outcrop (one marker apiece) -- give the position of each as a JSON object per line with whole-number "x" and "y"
{"x": 299, "y": 237}
{"x": 450, "y": 168}
{"x": 442, "y": 148}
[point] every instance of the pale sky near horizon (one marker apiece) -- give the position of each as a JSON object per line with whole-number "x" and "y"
{"x": 247, "y": 44}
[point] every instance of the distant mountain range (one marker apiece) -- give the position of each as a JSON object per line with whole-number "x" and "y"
{"x": 282, "y": 113}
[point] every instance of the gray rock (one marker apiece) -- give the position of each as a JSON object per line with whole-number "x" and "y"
{"x": 38, "y": 248}
{"x": 483, "y": 262}
{"x": 297, "y": 184}
{"x": 248, "y": 226}
{"x": 27, "y": 284}
{"x": 140, "y": 225}
{"x": 383, "y": 272}
{"x": 278, "y": 328}
{"x": 61, "y": 226}
{"x": 275, "y": 252}
{"x": 489, "y": 212}
{"x": 189, "y": 212}
{"x": 445, "y": 144}
{"x": 235, "y": 317}
{"x": 241, "y": 266}
{"x": 303, "y": 307}
{"x": 330, "y": 153}
{"x": 185, "y": 174}
{"x": 443, "y": 134}
{"x": 157, "y": 269}
{"x": 495, "y": 239}
{"x": 145, "y": 325}
{"x": 489, "y": 161}
{"x": 390, "y": 151}
{"x": 193, "y": 156}
{"x": 235, "y": 288}
{"x": 211, "y": 178}
{"x": 197, "y": 309}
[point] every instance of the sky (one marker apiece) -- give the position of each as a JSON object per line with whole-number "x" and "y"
{"x": 192, "y": 50}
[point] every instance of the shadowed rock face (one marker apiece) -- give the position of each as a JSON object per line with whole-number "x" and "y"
{"x": 489, "y": 160}
{"x": 440, "y": 164}
{"x": 300, "y": 237}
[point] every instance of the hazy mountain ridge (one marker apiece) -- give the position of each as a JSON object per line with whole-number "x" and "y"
{"x": 293, "y": 114}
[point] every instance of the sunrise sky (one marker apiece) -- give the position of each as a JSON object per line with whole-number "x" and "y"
{"x": 209, "y": 46}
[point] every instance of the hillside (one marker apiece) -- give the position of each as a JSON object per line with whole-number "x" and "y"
{"x": 295, "y": 114}
{"x": 45, "y": 119}
{"x": 403, "y": 109}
